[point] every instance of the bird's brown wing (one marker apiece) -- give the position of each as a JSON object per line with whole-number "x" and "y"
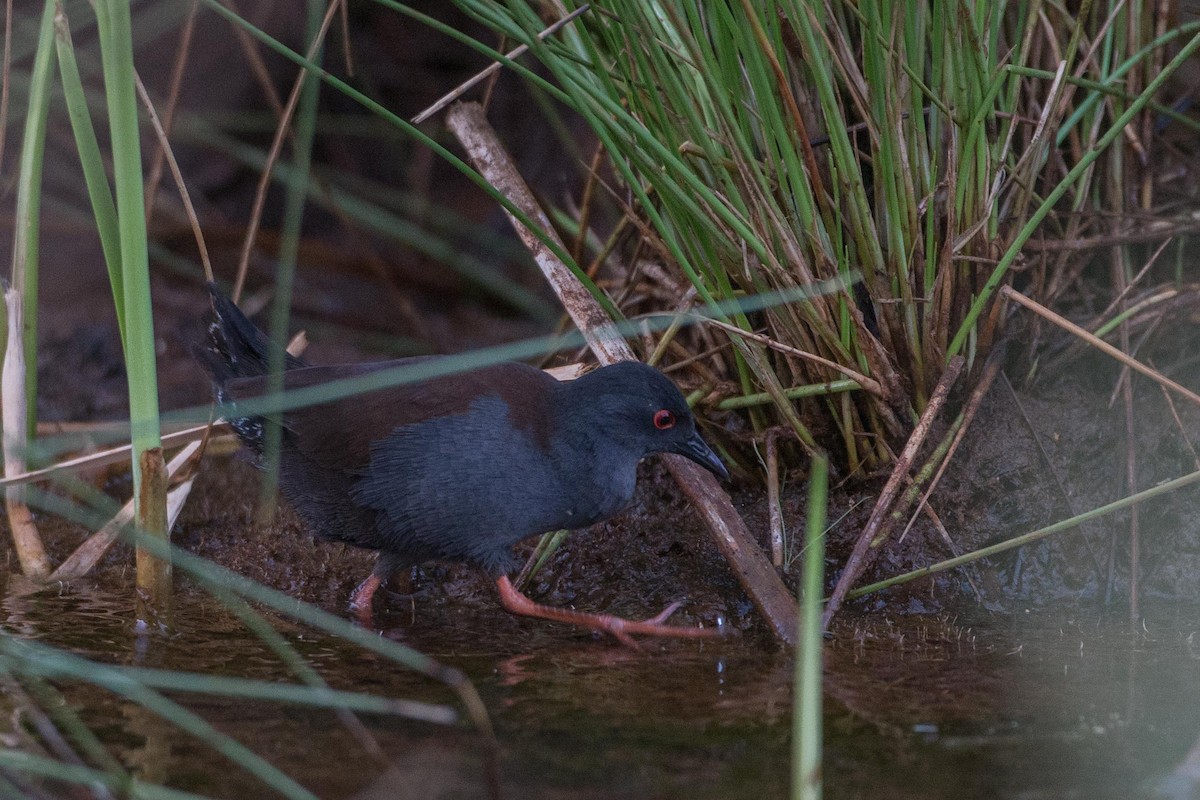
{"x": 338, "y": 434}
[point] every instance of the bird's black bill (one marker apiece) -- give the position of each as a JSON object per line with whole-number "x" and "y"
{"x": 698, "y": 450}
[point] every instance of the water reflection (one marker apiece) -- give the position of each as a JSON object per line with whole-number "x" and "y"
{"x": 1045, "y": 705}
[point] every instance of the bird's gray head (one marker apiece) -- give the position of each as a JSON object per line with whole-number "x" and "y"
{"x": 643, "y": 412}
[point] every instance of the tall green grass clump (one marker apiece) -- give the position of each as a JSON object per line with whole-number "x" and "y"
{"x": 121, "y": 227}
{"x": 902, "y": 153}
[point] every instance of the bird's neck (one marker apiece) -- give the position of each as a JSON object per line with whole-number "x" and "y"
{"x": 586, "y": 449}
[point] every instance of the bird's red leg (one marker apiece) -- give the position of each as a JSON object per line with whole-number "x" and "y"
{"x": 361, "y": 598}
{"x": 517, "y": 603}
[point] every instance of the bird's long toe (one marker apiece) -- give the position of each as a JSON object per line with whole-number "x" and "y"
{"x": 619, "y": 628}
{"x": 665, "y": 614}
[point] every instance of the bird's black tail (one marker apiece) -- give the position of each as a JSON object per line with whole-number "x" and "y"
{"x": 234, "y": 347}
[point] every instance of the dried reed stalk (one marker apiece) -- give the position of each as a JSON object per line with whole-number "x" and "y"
{"x": 772, "y": 599}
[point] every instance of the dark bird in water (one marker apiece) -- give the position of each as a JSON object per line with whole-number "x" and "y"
{"x": 461, "y": 467}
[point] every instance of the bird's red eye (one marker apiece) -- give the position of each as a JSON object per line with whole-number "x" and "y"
{"x": 664, "y": 419}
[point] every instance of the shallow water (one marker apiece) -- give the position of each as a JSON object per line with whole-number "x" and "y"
{"x": 1052, "y": 704}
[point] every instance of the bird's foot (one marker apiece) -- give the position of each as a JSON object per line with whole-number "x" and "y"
{"x": 619, "y": 628}
{"x": 664, "y": 615}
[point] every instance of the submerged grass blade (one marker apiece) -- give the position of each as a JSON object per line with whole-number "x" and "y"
{"x": 19, "y": 762}
{"x": 222, "y": 583}
{"x": 230, "y": 589}
{"x": 28, "y": 657}
{"x": 151, "y": 700}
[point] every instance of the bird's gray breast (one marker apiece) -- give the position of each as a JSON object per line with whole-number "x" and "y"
{"x": 462, "y": 485}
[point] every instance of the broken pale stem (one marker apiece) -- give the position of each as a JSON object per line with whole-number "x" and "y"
{"x": 883, "y": 514}
{"x": 153, "y": 573}
{"x": 468, "y": 122}
{"x": 495, "y": 66}
{"x": 26, "y": 540}
{"x": 773, "y": 509}
{"x": 88, "y": 554}
{"x": 752, "y": 568}
{"x": 117, "y": 455}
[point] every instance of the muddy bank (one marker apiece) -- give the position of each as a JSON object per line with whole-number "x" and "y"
{"x": 1033, "y": 456}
